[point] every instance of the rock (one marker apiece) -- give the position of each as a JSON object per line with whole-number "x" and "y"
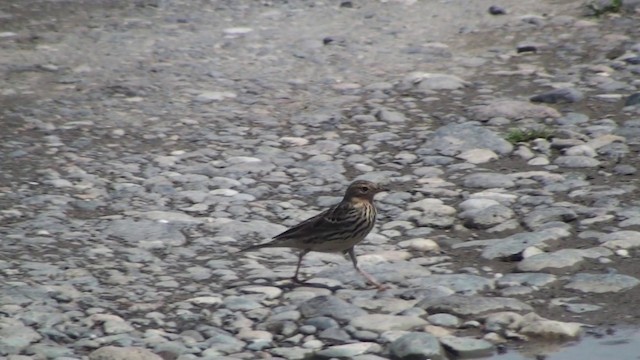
{"x": 471, "y": 305}
{"x": 416, "y": 345}
{"x": 380, "y": 322}
{"x": 515, "y": 244}
{"x": 633, "y": 100}
{"x": 460, "y": 283}
{"x": 601, "y": 283}
{"x": 513, "y": 110}
{"x": 478, "y": 156}
{"x": 454, "y": 139}
{"x": 430, "y": 81}
{"x": 525, "y": 279}
{"x": 626, "y": 239}
{"x": 563, "y": 260}
{"x": 446, "y": 320}
{"x": 330, "y": 306}
{"x": 534, "y": 325}
{"x": 123, "y": 353}
{"x": 467, "y": 347}
{"x": 562, "y": 95}
{"x": 537, "y": 218}
{"x": 576, "y": 161}
{"x": 496, "y": 10}
{"x": 422, "y": 245}
{"x": 348, "y": 350}
{"x": 488, "y": 181}
{"x": 487, "y": 217}
{"x": 15, "y": 337}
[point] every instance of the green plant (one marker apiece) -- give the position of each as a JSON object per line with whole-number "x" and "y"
{"x": 600, "y": 8}
{"x": 525, "y": 135}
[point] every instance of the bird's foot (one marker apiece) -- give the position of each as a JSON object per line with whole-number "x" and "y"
{"x": 297, "y": 280}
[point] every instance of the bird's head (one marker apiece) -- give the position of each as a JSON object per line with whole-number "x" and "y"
{"x": 362, "y": 190}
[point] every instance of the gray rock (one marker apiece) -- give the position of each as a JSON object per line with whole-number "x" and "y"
{"x": 416, "y": 345}
{"x": 146, "y": 231}
{"x": 562, "y": 95}
{"x": 534, "y": 325}
{"x": 330, "y": 306}
{"x": 453, "y": 139}
{"x": 561, "y": 260}
{"x": 486, "y": 218}
{"x": 626, "y": 239}
{"x": 467, "y": 347}
{"x": 525, "y": 279}
{"x": 537, "y": 218}
{"x": 515, "y": 244}
{"x": 471, "y": 305}
{"x": 446, "y": 320}
{"x": 123, "y": 353}
{"x": 348, "y": 350}
{"x": 632, "y": 100}
{"x": 513, "y": 110}
{"x": 576, "y": 161}
{"x": 15, "y": 337}
{"x": 381, "y": 322}
{"x": 488, "y": 181}
{"x": 459, "y": 283}
{"x": 430, "y": 81}
{"x": 601, "y": 283}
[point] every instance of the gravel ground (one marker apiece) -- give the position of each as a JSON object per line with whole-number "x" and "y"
{"x": 144, "y": 143}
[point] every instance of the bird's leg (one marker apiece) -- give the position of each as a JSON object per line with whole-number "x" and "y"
{"x": 300, "y": 256}
{"x": 368, "y": 276}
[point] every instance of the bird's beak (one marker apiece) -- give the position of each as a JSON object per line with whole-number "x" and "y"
{"x": 382, "y": 189}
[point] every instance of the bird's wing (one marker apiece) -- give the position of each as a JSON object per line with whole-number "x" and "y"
{"x": 331, "y": 217}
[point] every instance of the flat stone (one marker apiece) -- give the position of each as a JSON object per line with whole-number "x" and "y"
{"x": 471, "y": 305}
{"x": 525, "y": 279}
{"x": 348, "y": 350}
{"x": 446, "y": 320}
{"x": 416, "y": 345}
{"x": 517, "y": 243}
{"x": 467, "y": 347}
{"x": 381, "y": 322}
{"x": 601, "y": 283}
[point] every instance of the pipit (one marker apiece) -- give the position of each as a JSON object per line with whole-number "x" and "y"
{"x": 338, "y": 229}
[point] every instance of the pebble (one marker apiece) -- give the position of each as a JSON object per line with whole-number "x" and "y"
{"x": 380, "y": 322}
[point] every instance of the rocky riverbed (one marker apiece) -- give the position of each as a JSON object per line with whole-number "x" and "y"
{"x": 144, "y": 143}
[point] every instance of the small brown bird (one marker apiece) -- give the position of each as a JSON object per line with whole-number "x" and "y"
{"x": 338, "y": 229}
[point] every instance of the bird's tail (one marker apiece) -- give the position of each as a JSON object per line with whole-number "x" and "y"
{"x": 255, "y": 247}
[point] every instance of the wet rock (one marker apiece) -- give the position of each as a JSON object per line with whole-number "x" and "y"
{"x": 416, "y": 345}
{"x": 601, "y": 283}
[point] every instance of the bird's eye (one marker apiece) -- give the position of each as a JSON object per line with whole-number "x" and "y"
{"x": 364, "y": 189}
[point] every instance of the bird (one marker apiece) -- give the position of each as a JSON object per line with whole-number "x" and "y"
{"x": 337, "y": 229}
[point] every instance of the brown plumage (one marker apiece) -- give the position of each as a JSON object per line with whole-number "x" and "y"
{"x": 338, "y": 229}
